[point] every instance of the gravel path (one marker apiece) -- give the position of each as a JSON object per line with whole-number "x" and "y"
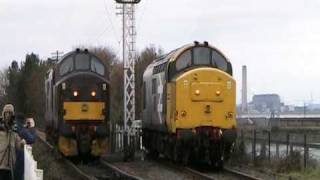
{"x": 54, "y": 169}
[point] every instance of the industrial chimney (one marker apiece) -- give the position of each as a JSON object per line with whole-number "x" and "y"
{"x": 244, "y": 103}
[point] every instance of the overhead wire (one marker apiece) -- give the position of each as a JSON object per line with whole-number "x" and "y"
{"x": 141, "y": 16}
{"x": 110, "y": 21}
{"x": 110, "y": 26}
{"x": 116, "y": 35}
{"x": 142, "y": 13}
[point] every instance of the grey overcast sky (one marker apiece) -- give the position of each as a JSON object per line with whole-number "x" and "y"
{"x": 277, "y": 39}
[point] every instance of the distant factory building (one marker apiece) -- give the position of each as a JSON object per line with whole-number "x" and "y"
{"x": 314, "y": 107}
{"x": 266, "y": 103}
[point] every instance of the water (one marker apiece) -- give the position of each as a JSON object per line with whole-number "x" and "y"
{"x": 264, "y": 115}
{"x": 314, "y": 153}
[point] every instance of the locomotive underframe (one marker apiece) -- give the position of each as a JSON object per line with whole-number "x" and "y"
{"x": 200, "y": 145}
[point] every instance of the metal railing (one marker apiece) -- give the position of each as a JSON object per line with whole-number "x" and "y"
{"x": 119, "y": 135}
{"x": 31, "y": 171}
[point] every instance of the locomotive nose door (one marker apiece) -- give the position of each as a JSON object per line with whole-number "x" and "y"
{"x": 206, "y": 95}
{"x": 202, "y": 98}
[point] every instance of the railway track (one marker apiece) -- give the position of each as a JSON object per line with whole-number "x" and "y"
{"x": 226, "y": 174}
{"x": 103, "y": 170}
{"x": 97, "y": 170}
{"x": 240, "y": 174}
{"x": 164, "y": 169}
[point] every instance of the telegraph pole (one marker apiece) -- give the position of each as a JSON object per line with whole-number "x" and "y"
{"x": 56, "y": 55}
{"x": 128, "y": 56}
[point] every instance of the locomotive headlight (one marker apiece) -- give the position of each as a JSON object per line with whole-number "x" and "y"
{"x": 93, "y": 93}
{"x": 197, "y": 92}
{"x": 64, "y": 86}
{"x": 183, "y": 113}
{"x": 229, "y": 115}
{"x": 218, "y": 93}
{"x": 75, "y": 93}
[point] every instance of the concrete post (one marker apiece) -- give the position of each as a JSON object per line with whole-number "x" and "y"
{"x": 244, "y": 103}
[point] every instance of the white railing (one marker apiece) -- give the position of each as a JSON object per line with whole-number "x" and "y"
{"x": 31, "y": 172}
{"x": 119, "y": 135}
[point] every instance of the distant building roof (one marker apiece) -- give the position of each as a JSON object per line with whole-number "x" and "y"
{"x": 262, "y": 102}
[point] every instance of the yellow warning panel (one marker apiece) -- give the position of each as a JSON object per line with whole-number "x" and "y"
{"x": 83, "y": 111}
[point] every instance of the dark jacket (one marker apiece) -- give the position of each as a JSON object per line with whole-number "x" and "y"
{"x": 28, "y": 134}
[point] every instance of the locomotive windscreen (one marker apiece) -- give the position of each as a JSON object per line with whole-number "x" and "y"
{"x": 66, "y": 66}
{"x": 82, "y": 61}
{"x": 199, "y": 56}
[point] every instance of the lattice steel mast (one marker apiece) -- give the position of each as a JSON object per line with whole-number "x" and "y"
{"x": 129, "y": 40}
{"x": 128, "y": 56}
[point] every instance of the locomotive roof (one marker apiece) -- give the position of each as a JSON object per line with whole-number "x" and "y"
{"x": 86, "y": 51}
{"x": 170, "y": 59}
{"x": 173, "y": 55}
{"x": 79, "y": 62}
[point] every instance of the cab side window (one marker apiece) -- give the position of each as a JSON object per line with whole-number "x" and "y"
{"x": 144, "y": 95}
{"x": 219, "y": 61}
{"x": 66, "y": 66}
{"x": 184, "y": 61}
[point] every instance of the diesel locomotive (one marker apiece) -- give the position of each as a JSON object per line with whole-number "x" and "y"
{"x": 77, "y": 105}
{"x": 189, "y": 105}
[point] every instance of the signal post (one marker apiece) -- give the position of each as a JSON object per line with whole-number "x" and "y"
{"x": 128, "y": 56}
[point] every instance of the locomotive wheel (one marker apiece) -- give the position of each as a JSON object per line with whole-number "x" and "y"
{"x": 185, "y": 155}
{"x": 177, "y": 153}
{"x": 153, "y": 154}
{"x": 216, "y": 156}
{"x": 167, "y": 151}
{"x": 227, "y": 151}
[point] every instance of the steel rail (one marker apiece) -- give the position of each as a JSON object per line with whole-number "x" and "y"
{"x": 123, "y": 174}
{"x": 82, "y": 174}
{"x": 240, "y": 174}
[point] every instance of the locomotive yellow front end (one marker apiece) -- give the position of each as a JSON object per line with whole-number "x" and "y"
{"x": 78, "y": 105}
{"x": 189, "y": 105}
{"x": 84, "y": 116}
{"x": 201, "y": 103}
{"x": 204, "y": 97}
{"x": 83, "y": 110}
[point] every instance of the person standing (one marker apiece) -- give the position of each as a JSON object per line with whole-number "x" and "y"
{"x": 27, "y": 133}
{"x": 9, "y": 143}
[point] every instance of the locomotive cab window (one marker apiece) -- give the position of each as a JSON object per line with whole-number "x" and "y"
{"x": 184, "y": 61}
{"x": 144, "y": 95}
{"x": 201, "y": 56}
{"x": 66, "y": 66}
{"x": 97, "y": 66}
{"x": 154, "y": 86}
{"x": 219, "y": 61}
{"x": 82, "y": 61}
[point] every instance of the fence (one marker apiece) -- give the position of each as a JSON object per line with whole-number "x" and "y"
{"x": 264, "y": 145}
{"x": 120, "y": 138}
{"x": 31, "y": 172}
